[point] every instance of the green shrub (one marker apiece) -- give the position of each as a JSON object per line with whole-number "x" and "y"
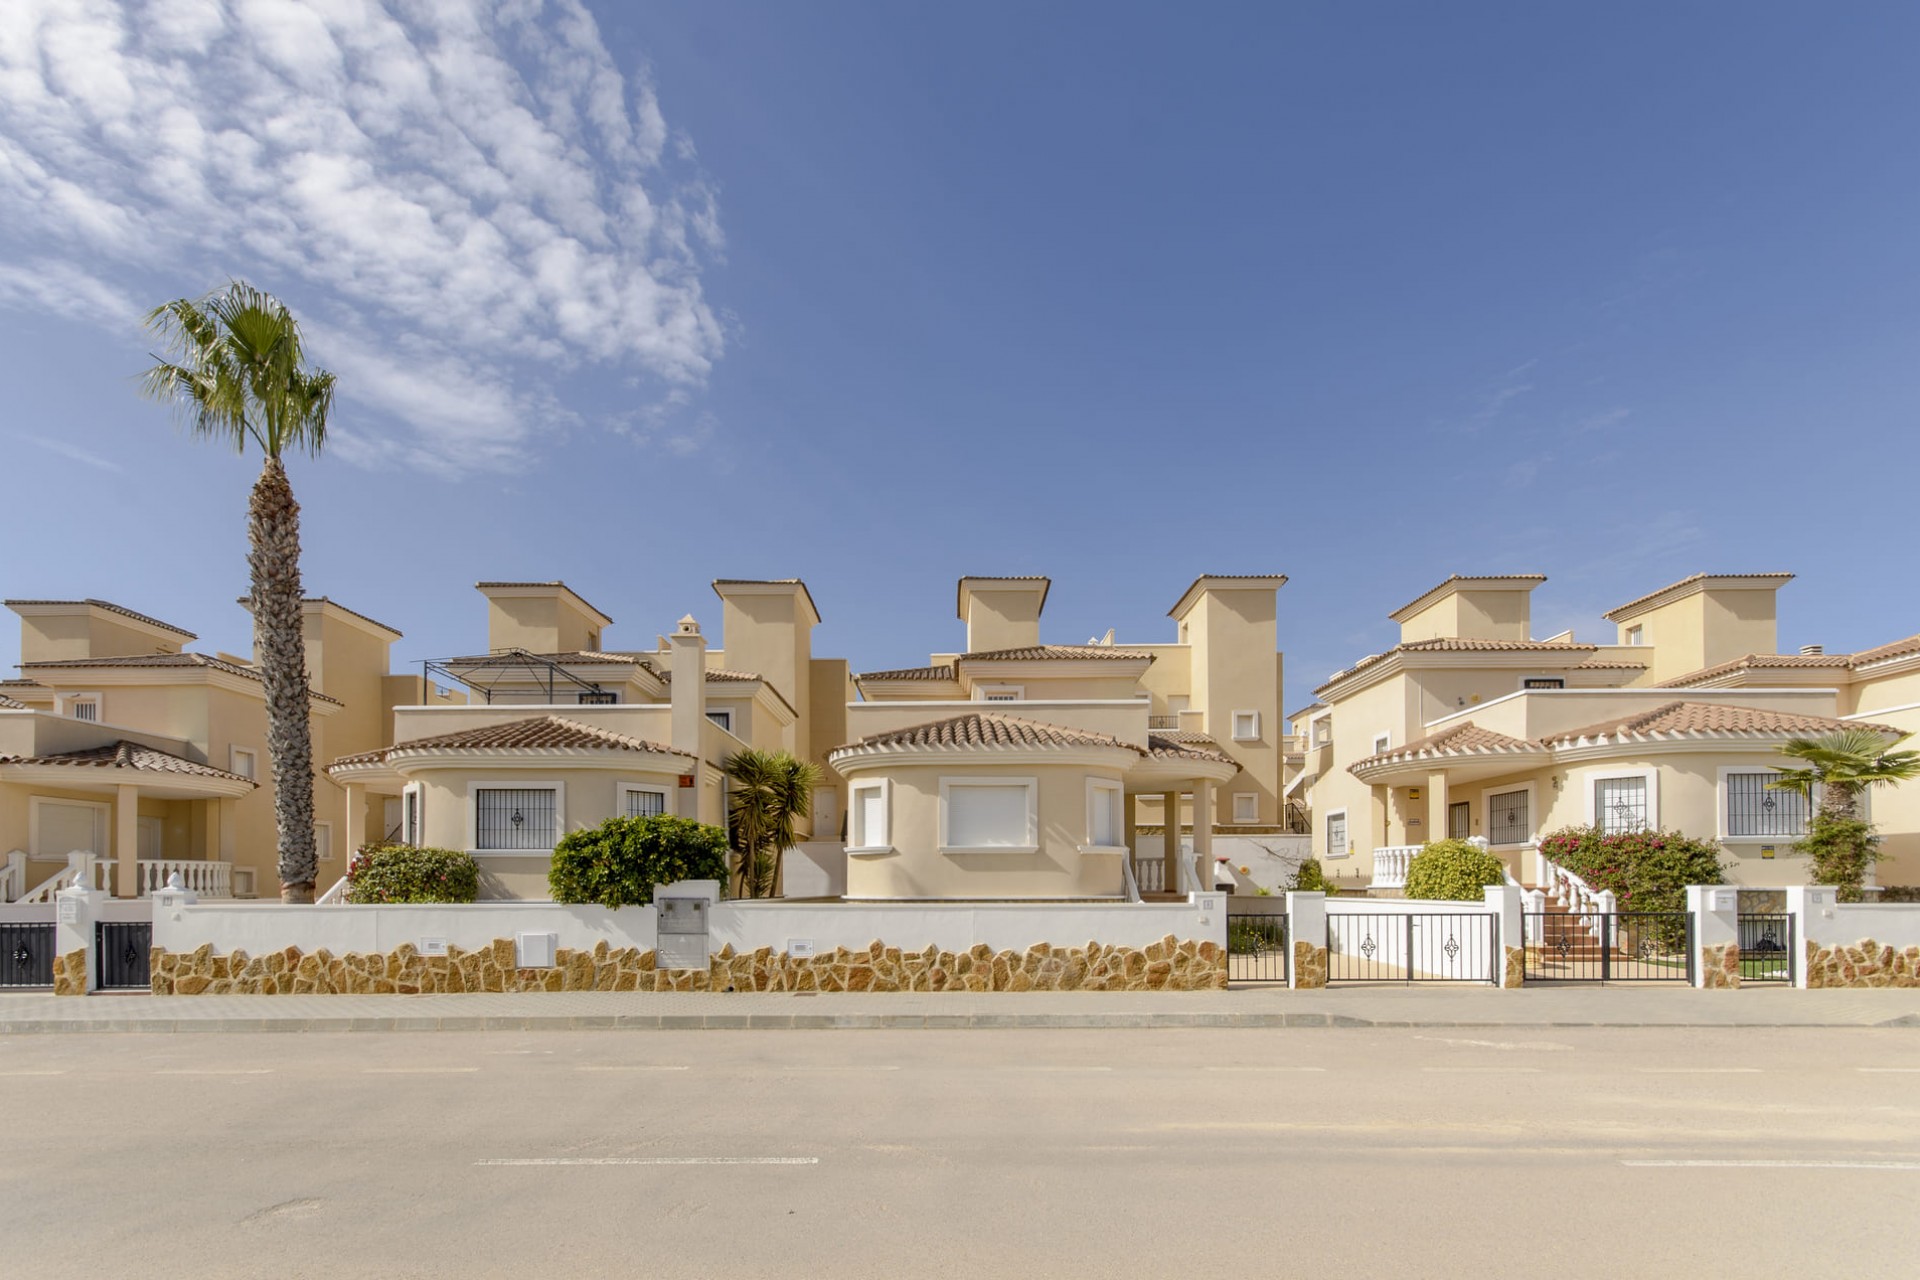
{"x": 1843, "y": 850}
{"x": 1900, "y": 893}
{"x": 1309, "y": 878}
{"x": 1647, "y": 870}
{"x": 1453, "y": 871}
{"x": 618, "y": 863}
{"x": 405, "y": 873}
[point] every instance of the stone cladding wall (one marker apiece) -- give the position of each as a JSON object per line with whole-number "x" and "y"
{"x": 1309, "y": 965}
{"x": 1864, "y": 964}
{"x": 1720, "y": 967}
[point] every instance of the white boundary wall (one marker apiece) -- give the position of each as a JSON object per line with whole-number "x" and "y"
{"x": 1480, "y": 955}
{"x": 258, "y": 928}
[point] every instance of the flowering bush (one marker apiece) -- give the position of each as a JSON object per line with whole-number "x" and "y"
{"x": 404, "y": 873}
{"x": 1453, "y": 871}
{"x": 618, "y": 863}
{"x": 1647, "y": 870}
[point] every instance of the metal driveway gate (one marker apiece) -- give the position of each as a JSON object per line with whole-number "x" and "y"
{"x": 1603, "y": 946}
{"x": 1411, "y": 946}
{"x": 26, "y": 954}
{"x": 1258, "y": 949}
{"x": 1766, "y": 948}
{"x": 121, "y": 947}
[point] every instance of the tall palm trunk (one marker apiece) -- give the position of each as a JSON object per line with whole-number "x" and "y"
{"x": 1840, "y": 800}
{"x": 273, "y": 532}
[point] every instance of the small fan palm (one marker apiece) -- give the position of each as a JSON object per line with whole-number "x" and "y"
{"x": 235, "y": 371}
{"x": 1844, "y": 765}
{"x": 770, "y": 790}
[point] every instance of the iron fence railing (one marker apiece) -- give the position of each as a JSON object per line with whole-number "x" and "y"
{"x": 1258, "y": 949}
{"x": 1766, "y": 948}
{"x": 1608, "y": 946}
{"x": 1411, "y": 946}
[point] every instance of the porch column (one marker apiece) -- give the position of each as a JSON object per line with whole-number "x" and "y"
{"x": 1437, "y": 805}
{"x": 356, "y": 832}
{"x": 1203, "y": 834}
{"x": 229, "y": 835}
{"x": 126, "y": 840}
{"x": 1128, "y": 805}
{"x": 1170, "y": 843}
{"x": 1380, "y": 833}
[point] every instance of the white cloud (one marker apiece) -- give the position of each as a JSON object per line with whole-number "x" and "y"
{"x": 71, "y": 452}
{"x": 467, "y": 202}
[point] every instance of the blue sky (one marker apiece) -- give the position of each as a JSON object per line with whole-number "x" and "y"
{"x": 878, "y": 295}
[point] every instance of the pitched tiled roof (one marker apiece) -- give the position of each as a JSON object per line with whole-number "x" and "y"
{"x": 130, "y": 755}
{"x": 554, "y": 583}
{"x": 156, "y": 660}
{"x": 111, "y": 607}
{"x": 1614, "y": 614}
{"x": 977, "y": 729}
{"x": 1716, "y": 720}
{"x": 1610, "y": 664}
{"x": 909, "y": 673}
{"x": 539, "y": 733}
{"x": 1898, "y": 649}
{"x": 1046, "y": 652}
{"x": 1535, "y": 578}
{"x": 1467, "y": 738}
{"x": 1459, "y": 644}
{"x": 1186, "y": 746}
{"x": 1759, "y": 662}
{"x": 355, "y": 612}
{"x": 10, "y": 704}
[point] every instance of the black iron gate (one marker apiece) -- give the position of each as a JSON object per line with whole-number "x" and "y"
{"x": 121, "y": 948}
{"x": 1766, "y": 948}
{"x": 1411, "y": 946}
{"x": 26, "y": 954}
{"x": 1258, "y": 949}
{"x": 1603, "y": 946}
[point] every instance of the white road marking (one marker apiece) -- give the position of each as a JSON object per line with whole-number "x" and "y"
{"x": 1905, "y": 1166}
{"x": 1889, "y": 1070}
{"x": 216, "y": 1071}
{"x": 32, "y": 1073}
{"x": 1266, "y": 1068}
{"x": 1022, "y": 1067}
{"x": 1481, "y": 1070}
{"x": 550, "y": 1161}
{"x": 1698, "y": 1071}
{"x": 416, "y": 1071}
{"x": 1495, "y": 1044}
{"x": 628, "y": 1066}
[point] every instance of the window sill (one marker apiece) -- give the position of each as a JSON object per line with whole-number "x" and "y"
{"x": 1758, "y": 840}
{"x": 994, "y": 848}
{"x": 510, "y": 853}
{"x": 871, "y": 851}
{"x": 1111, "y": 850}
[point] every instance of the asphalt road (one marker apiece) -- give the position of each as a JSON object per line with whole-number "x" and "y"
{"x": 1606, "y": 1153}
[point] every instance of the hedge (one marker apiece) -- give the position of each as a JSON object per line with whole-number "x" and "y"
{"x": 407, "y": 873}
{"x": 1647, "y": 870}
{"x": 1453, "y": 871}
{"x": 618, "y": 863}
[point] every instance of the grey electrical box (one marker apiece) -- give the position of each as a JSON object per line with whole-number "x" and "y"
{"x": 535, "y": 950}
{"x": 684, "y": 943}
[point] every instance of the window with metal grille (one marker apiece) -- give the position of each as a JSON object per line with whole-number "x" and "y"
{"x": 1460, "y": 820}
{"x": 598, "y": 697}
{"x": 1336, "y": 835}
{"x": 520, "y": 818}
{"x": 85, "y": 707}
{"x": 646, "y": 804}
{"x": 722, "y": 718}
{"x": 1507, "y": 821}
{"x": 1543, "y": 682}
{"x": 1753, "y": 810}
{"x": 1620, "y": 805}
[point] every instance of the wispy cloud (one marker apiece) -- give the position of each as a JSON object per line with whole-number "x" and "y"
{"x": 1507, "y": 388}
{"x": 71, "y": 452}
{"x": 1599, "y": 421}
{"x": 479, "y": 179}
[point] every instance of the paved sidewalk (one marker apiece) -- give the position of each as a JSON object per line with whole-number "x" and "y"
{"x": 1380, "y": 1006}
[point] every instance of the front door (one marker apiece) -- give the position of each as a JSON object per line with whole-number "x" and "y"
{"x": 152, "y": 838}
{"x": 1459, "y": 820}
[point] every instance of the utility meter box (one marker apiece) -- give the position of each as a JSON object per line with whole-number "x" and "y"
{"x": 535, "y": 950}
{"x": 684, "y": 942}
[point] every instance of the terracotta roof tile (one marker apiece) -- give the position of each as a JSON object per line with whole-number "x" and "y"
{"x": 1610, "y": 664}
{"x": 539, "y": 733}
{"x": 977, "y": 729}
{"x": 1186, "y": 746}
{"x": 909, "y": 673}
{"x": 1758, "y": 662}
{"x": 1614, "y": 614}
{"x": 355, "y": 612}
{"x": 111, "y": 607}
{"x": 482, "y": 586}
{"x": 1711, "y": 719}
{"x": 1467, "y": 738}
{"x": 1535, "y": 578}
{"x": 1898, "y": 649}
{"x": 10, "y": 704}
{"x": 1458, "y": 644}
{"x": 156, "y": 660}
{"x": 1048, "y": 652}
{"x": 130, "y": 755}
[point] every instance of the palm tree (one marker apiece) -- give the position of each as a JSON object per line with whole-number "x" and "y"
{"x": 235, "y": 371}
{"x": 1844, "y": 764}
{"x": 770, "y": 789}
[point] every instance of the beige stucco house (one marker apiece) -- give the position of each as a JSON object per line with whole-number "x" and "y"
{"x": 1470, "y": 727}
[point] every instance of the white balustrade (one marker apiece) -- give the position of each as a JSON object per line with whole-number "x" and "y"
{"x": 1390, "y": 864}
{"x": 335, "y": 896}
{"x": 13, "y": 877}
{"x": 81, "y": 868}
{"x": 1152, "y": 873}
{"x": 1590, "y": 907}
{"x": 201, "y": 878}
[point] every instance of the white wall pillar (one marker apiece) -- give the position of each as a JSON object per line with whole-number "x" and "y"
{"x": 1716, "y": 935}
{"x": 1811, "y": 906}
{"x": 73, "y": 914}
{"x": 1203, "y": 835}
{"x": 1307, "y": 922}
{"x": 356, "y": 825}
{"x": 126, "y": 840}
{"x": 689, "y": 697}
{"x": 1504, "y": 901}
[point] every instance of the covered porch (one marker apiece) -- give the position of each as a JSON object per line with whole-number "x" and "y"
{"x": 124, "y": 818}
{"x": 1181, "y": 774}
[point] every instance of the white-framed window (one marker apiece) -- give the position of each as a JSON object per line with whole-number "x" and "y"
{"x": 412, "y": 804}
{"x": 1246, "y": 806}
{"x": 1620, "y": 803}
{"x": 1544, "y": 682}
{"x": 868, "y": 814}
{"x": 1510, "y": 816}
{"x": 1337, "y": 834}
{"x": 1106, "y": 815}
{"x": 524, "y": 818}
{"x": 1323, "y": 731}
{"x": 56, "y": 828}
{"x": 1381, "y": 743}
{"x": 1460, "y": 820}
{"x": 723, "y": 718}
{"x": 999, "y": 692}
{"x": 323, "y": 841}
{"x": 1751, "y": 810}
{"x": 642, "y": 802}
{"x": 994, "y": 815}
{"x": 81, "y": 706}
{"x": 244, "y": 761}
{"x": 1246, "y": 726}
{"x": 1636, "y": 634}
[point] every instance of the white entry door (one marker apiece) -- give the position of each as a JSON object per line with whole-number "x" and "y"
{"x": 151, "y": 838}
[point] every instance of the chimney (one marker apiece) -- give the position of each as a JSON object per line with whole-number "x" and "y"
{"x": 689, "y": 693}
{"x": 1812, "y": 650}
